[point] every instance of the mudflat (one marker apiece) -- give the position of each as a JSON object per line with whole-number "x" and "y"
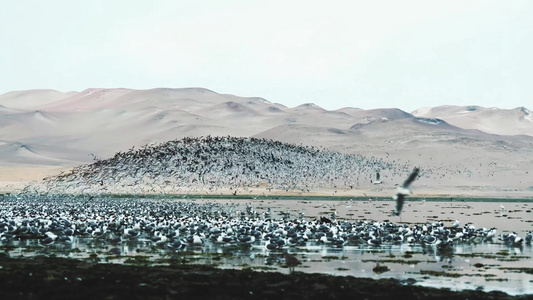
{"x": 60, "y": 278}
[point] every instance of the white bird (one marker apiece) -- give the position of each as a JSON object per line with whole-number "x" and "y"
{"x": 458, "y": 236}
{"x": 197, "y": 240}
{"x": 456, "y": 224}
{"x": 403, "y": 191}
{"x": 491, "y": 233}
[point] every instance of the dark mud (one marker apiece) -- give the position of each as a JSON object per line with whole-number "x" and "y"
{"x": 61, "y": 278}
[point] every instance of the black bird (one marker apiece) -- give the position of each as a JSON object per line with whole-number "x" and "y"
{"x": 403, "y": 191}
{"x": 291, "y": 261}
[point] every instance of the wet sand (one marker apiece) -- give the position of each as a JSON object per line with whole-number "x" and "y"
{"x": 516, "y": 216}
{"x": 58, "y": 278}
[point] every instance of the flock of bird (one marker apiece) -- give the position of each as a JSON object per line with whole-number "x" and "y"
{"x": 181, "y": 224}
{"x": 212, "y": 164}
{"x": 50, "y": 213}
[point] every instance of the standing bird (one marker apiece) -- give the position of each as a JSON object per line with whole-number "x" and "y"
{"x": 403, "y": 191}
{"x": 291, "y": 261}
{"x": 456, "y": 224}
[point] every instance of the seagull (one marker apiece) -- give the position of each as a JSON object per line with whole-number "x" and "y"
{"x": 456, "y": 224}
{"x": 403, "y": 191}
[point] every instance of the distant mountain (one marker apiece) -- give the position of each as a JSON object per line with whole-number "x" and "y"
{"x": 477, "y": 144}
{"x": 515, "y": 121}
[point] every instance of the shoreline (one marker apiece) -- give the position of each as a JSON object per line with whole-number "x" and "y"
{"x": 15, "y": 187}
{"x": 51, "y": 277}
{"x": 308, "y": 197}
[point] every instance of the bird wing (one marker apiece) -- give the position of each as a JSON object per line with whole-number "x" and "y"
{"x": 400, "y": 195}
{"x": 399, "y": 203}
{"x": 411, "y": 178}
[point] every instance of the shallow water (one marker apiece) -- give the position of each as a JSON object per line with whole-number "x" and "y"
{"x": 487, "y": 266}
{"x": 484, "y": 266}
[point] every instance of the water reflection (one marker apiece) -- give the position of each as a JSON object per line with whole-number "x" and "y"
{"x": 470, "y": 266}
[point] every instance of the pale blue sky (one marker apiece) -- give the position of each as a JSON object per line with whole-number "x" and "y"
{"x": 367, "y": 54}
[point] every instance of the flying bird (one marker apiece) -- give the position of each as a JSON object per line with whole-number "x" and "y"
{"x": 403, "y": 191}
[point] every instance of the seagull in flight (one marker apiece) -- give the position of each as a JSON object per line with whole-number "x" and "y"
{"x": 403, "y": 191}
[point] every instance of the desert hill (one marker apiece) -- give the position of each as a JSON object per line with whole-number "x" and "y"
{"x": 517, "y": 121}
{"x": 466, "y": 148}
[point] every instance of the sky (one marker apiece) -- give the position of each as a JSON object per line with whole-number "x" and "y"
{"x": 367, "y": 54}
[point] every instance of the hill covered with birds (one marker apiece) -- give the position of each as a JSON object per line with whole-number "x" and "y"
{"x": 215, "y": 164}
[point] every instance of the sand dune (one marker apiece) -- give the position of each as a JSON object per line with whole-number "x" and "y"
{"x": 16, "y": 154}
{"x": 87, "y": 100}
{"x": 30, "y": 98}
{"x": 4, "y": 109}
{"x": 307, "y": 108}
{"x": 491, "y": 120}
{"x": 488, "y": 148}
{"x": 228, "y": 109}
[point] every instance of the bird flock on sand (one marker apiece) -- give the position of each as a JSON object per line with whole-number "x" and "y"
{"x": 177, "y": 225}
{"x": 215, "y": 164}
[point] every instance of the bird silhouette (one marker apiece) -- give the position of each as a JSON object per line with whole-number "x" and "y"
{"x": 291, "y": 261}
{"x": 403, "y": 191}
